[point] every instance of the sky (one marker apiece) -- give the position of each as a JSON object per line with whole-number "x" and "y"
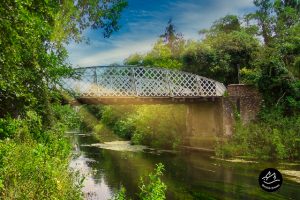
{"x": 144, "y": 20}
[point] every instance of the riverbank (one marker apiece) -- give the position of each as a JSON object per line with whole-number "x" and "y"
{"x": 271, "y": 136}
{"x": 34, "y": 160}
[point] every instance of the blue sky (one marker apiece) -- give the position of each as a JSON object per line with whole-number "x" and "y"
{"x": 144, "y": 20}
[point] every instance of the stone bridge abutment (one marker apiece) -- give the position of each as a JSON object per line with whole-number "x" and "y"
{"x": 207, "y": 120}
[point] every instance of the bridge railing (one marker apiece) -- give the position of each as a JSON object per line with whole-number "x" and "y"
{"x": 129, "y": 81}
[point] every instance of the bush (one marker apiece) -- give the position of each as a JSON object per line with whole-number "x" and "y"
{"x": 34, "y": 160}
{"x": 159, "y": 126}
{"x": 272, "y": 137}
{"x": 36, "y": 171}
{"x": 67, "y": 116}
{"x": 151, "y": 187}
{"x": 8, "y": 127}
{"x": 120, "y": 195}
{"x": 124, "y": 128}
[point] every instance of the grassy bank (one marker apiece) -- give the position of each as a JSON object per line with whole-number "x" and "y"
{"x": 34, "y": 160}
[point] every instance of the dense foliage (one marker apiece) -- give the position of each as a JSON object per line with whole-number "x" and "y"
{"x": 273, "y": 137}
{"x": 261, "y": 48}
{"x": 34, "y": 154}
{"x": 32, "y": 56}
{"x": 34, "y": 163}
{"x": 141, "y": 124}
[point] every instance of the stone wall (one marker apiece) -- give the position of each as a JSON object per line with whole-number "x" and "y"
{"x": 244, "y": 100}
{"x": 228, "y": 109}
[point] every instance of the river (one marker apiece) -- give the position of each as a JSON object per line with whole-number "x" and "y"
{"x": 188, "y": 174}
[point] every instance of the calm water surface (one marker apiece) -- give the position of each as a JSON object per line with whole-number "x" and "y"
{"x": 188, "y": 175}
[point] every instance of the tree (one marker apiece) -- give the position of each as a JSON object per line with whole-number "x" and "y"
{"x": 287, "y": 38}
{"x": 161, "y": 56}
{"x": 32, "y": 53}
{"x": 75, "y": 16}
{"x": 173, "y": 40}
{"x": 165, "y": 53}
{"x": 226, "y": 45}
{"x": 225, "y": 24}
{"x": 134, "y": 59}
{"x": 274, "y": 19}
{"x": 278, "y": 59}
{"x": 265, "y": 19}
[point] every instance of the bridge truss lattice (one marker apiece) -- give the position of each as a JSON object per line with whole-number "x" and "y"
{"x": 129, "y": 81}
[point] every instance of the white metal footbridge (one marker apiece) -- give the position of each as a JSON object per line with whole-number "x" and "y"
{"x": 112, "y": 83}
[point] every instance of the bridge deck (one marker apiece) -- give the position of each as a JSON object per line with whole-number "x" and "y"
{"x": 141, "y": 100}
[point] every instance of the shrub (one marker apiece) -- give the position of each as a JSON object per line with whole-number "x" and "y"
{"x": 32, "y": 170}
{"x": 272, "y": 137}
{"x": 8, "y": 127}
{"x": 34, "y": 161}
{"x": 67, "y": 116}
{"x": 153, "y": 188}
{"x": 124, "y": 128}
{"x": 120, "y": 195}
{"x": 159, "y": 126}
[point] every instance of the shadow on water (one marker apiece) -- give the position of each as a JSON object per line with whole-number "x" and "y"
{"x": 188, "y": 175}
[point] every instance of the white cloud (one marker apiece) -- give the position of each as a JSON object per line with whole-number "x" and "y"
{"x": 140, "y": 33}
{"x": 117, "y": 55}
{"x": 192, "y": 17}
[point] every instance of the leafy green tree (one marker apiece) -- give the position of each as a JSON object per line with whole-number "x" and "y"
{"x": 34, "y": 162}
{"x": 32, "y": 55}
{"x": 225, "y": 24}
{"x": 287, "y": 38}
{"x": 274, "y": 18}
{"x": 165, "y": 53}
{"x": 278, "y": 60}
{"x": 226, "y": 46}
{"x": 134, "y": 59}
{"x": 278, "y": 25}
{"x": 161, "y": 56}
{"x": 265, "y": 19}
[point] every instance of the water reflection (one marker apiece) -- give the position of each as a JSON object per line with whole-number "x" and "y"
{"x": 93, "y": 188}
{"x": 188, "y": 175}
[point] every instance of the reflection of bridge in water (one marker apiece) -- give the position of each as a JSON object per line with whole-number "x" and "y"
{"x": 144, "y": 85}
{"x": 141, "y": 84}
